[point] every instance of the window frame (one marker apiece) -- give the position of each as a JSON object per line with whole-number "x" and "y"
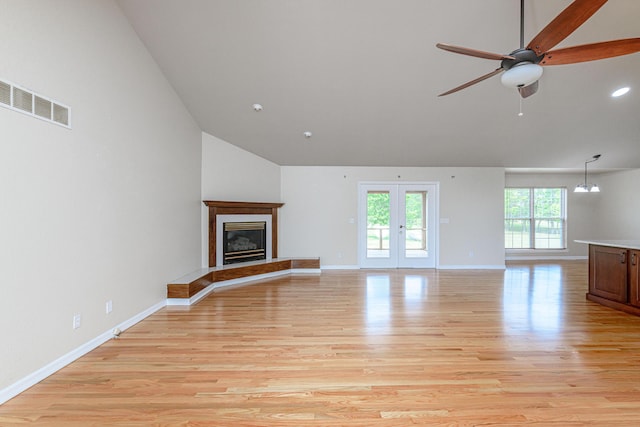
{"x": 532, "y": 219}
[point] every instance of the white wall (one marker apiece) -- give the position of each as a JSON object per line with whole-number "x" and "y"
{"x": 618, "y": 213}
{"x": 109, "y": 210}
{"x": 320, "y": 201}
{"x": 581, "y": 212}
{"x": 230, "y": 173}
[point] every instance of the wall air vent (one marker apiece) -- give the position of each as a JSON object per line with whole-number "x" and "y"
{"x": 22, "y": 100}
{"x": 5, "y": 93}
{"x": 28, "y": 102}
{"x": 43, "y": 108}
{"x": 61, "y": 114}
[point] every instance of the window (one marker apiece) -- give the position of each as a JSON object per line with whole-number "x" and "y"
{"x": 535, "y": 218}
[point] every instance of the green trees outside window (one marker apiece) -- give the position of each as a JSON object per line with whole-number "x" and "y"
{"x": 535, "y": 218}
{"x": 378, "y": 220}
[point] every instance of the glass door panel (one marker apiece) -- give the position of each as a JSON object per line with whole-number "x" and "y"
{"x": 397, "y": 225}
{"x": 416, "y": 225}
{"x": 378, "y": 224}
{"x": 415, "y": 236}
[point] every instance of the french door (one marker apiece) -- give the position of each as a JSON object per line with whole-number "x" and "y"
{"x": 397, "y": 225}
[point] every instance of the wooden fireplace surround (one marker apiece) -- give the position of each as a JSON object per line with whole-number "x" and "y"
{"x": 217, "y": 207}
{"x": 190, "y": 286}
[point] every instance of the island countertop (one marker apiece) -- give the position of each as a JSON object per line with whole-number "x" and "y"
{"x": 628, "y": 244}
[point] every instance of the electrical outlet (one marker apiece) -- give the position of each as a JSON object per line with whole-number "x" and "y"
{"x": 109, "y": 306}
{"x": 76, "y": 321}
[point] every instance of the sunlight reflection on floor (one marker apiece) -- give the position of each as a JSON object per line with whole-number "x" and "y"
{"x": 532, "y": 298}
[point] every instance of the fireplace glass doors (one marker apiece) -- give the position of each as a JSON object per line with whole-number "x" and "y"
{"x": 244, "y": 241}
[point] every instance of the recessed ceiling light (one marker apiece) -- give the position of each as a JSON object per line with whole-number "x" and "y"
{"x": 257, "y": 107}
{"x": 620, "y": 92}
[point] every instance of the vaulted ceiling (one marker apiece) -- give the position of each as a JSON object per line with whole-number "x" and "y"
{"x": 363, "y": 77}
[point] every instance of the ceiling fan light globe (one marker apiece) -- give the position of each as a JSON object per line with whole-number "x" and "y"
{"x": 521, "y": 75}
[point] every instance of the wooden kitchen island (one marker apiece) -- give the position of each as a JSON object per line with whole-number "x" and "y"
{"x": 614, "y": 274}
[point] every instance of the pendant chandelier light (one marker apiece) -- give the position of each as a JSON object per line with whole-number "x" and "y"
{"x": 585, "y": 188}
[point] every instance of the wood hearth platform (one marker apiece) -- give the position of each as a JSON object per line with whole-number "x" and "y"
{"x": 197, "y": 283}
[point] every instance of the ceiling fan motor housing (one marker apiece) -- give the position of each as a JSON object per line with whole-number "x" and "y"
{"x": 523, "y": 70}
{"x": 521, "y": 55}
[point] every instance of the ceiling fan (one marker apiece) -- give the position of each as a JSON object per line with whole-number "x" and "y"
{"x": 523, "y": 67}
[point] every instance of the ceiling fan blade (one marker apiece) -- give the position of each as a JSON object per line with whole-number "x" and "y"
{"x": 527, "y": 91}
{"x": 473, "y": 52}
{"x": 591, "y": 52}
{"x": 472, "y": 82}
{"x": 564, "y": 24}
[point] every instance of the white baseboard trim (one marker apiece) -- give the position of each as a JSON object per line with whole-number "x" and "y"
{"x": 340, "y": 267}
{"x": 255, "y": 278}
{"x": 34, "y": 378}
{"x": 206, "y": 291}
{"x": 545, "y": 258}
{"x": 173, "y": 302}
{"x": 471, "y": 267}
{"x": 306, "y": 271}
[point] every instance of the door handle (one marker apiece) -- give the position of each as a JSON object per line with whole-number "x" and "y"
{"x": 633, "y": 258}
{"x": 623, "y": 257}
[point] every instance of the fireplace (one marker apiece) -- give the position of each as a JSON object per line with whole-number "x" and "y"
{"x": 243, "y": 241}
{"x": 242, "y": 238}
{"x": 221, "y": 213}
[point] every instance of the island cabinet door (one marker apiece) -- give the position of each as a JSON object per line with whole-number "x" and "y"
{"x": 634, "y": 277}
{"x": 608, "y": 272}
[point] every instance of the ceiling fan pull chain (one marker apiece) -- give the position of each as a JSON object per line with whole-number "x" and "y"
{"x": 520, "y": 113}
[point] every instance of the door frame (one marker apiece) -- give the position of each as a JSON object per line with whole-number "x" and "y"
{"x": 362, "y": 218}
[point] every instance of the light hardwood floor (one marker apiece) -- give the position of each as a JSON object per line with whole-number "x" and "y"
{"x": 363, "y": 348}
